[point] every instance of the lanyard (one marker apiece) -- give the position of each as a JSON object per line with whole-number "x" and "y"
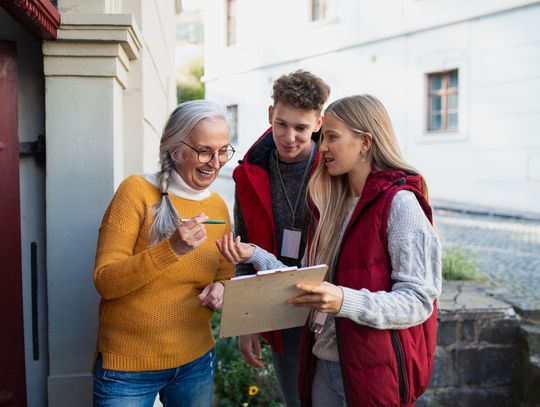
{"x": 308, "y": 166}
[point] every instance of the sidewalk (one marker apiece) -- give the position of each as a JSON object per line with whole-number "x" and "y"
{"x": 506, "y": 248}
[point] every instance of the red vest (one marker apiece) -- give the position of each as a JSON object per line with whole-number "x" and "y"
{"x": 255, "y": 199}
{"x": 379, "y": 367}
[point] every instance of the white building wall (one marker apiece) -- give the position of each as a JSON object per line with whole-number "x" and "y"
{"x": 386, "y": 48}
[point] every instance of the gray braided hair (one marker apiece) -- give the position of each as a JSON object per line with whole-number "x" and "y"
{"x": 178, "y": 127}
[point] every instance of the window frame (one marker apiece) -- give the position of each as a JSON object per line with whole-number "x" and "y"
{"x": 444, "y": 92}
{"x": 323, "y": 10}
{"x": 231, "y": 22}
{"x": 232, "y": 111}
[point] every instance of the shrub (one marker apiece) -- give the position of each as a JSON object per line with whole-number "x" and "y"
{"x": 236, "y": 384}
{"x": 458, "y": 264}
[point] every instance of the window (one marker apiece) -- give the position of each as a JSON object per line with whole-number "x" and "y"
{"x": 231, "y": 22}
{"x": 443, "y": 101}
{"x": 318, "y": 10}
{"x": 233, "y": 114}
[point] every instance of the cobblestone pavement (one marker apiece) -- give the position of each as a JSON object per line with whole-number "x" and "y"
{"x": 506, "y": 249}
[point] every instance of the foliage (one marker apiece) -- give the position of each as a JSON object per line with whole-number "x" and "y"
{"x": 191, "y": 87}
{"x": 237, "y": 384}
{"x": 188, "y": 91}
{"x": 458, "y": 264}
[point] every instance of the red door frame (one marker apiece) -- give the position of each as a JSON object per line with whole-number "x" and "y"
{"x": 12, "y": 371}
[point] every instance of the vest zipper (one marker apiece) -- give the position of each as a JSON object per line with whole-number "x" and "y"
{"x": 401, "y": 367}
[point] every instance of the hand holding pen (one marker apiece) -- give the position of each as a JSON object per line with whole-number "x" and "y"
{"x": 189, "y": 234}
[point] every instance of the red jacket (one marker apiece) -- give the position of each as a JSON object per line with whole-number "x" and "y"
{"x": 379, "y": 367}
{"x": 255, "y": 200}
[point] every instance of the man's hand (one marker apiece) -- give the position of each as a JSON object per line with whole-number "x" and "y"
{"x": 250, "y": 348}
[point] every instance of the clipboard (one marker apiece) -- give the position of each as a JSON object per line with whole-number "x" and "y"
{"x": 258, "y": 303}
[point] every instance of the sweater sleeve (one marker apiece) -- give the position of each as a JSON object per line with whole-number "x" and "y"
{"x": 415, "y": 253}
{"x": 263, "y": 260}
{"x": 118, "y": 271}
{"x": 240, "y": 230}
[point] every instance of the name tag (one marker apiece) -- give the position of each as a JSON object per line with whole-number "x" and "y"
{"x": 290, "y": 244}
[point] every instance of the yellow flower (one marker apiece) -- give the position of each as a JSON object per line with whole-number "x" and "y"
{"x": 253, "y": 390}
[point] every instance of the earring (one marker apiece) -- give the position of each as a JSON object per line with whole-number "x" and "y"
{"x": 363, "y": 155}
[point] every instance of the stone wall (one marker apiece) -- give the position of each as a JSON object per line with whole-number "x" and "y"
{"x": 483, "y": 355}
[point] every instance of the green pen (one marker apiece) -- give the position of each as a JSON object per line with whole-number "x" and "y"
{"x": 208, "y": 222}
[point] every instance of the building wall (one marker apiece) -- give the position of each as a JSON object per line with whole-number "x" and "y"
{"x": 386, "y": 48}
{"x": 109, "y": 87}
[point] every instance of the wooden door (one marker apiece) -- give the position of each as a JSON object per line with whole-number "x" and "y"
{"x": 12, "y": 370}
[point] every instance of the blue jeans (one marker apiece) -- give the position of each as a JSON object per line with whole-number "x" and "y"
{"x": 327, "y": 390}
{"x": 286, "y": 366}
{"x": 189, "y": 385}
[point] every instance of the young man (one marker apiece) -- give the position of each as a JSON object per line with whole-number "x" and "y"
{"x": 271, "y": 206}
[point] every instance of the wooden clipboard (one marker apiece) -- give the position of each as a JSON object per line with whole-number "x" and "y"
{"x": 259, "y": 303}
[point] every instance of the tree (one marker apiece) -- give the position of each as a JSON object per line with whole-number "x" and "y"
{"x": 190, "y": 86}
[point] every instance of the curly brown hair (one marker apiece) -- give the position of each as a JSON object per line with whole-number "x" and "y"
{"x": 301, "y": 89}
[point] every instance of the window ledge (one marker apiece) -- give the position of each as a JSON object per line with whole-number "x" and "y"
{"x": 443, "y": 136}
{"x": 314, "y": 24}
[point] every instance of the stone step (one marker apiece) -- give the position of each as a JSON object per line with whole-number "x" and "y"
{"x": 530, "y": 332}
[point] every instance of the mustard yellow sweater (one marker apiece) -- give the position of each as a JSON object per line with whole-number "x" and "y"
{"x": 149, "y": 316}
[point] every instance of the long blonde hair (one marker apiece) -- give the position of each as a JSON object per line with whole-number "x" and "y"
{"x": 329, "y": 194}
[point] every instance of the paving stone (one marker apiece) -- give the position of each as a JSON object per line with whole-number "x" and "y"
{"x": 507, "y": 250}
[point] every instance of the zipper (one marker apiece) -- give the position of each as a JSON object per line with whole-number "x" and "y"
{"x": 401, "y": 367}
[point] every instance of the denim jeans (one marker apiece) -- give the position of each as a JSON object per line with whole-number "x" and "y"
{"x": 286, "y": 366}
{"x": 327, "y": 390}
{"x": 189, "y": 385}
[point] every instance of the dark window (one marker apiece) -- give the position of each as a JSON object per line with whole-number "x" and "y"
{"x": 231, "y": 22}
{"x": 233, "y": 113}
{"x": 443, "y": 97}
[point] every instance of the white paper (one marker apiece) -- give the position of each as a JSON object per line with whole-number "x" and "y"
{"x": 291, "y": 243}
{"x": 263, "y": 272}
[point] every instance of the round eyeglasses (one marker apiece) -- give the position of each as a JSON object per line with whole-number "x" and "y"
{"x": 205, "y": 155}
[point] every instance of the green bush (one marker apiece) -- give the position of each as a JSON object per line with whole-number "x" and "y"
{"x": 191, "y": 86}
{"x": 188, "y": 91}
{"x": 458, "y": 264}
{"x": 236, "y": 384}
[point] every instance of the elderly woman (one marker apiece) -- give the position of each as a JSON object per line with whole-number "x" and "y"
{"x": 157, "y": 269}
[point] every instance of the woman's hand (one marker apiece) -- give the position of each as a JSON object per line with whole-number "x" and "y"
{"x": 189, "y": 235}
{"x": 324, "y": 298}
{"x": 212, "y": 295}
{"x": 234, "y": 250}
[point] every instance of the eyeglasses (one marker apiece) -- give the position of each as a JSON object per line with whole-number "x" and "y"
{"x": 205, "y": 155}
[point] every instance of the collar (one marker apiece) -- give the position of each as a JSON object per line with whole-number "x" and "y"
{"x": 179, "y": 187}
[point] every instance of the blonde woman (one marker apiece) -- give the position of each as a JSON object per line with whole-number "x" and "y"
{"x": 158, "y": 274}
{"x": 370, "y": 340}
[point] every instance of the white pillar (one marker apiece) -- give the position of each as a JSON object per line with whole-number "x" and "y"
{"x": 86, "y": 72}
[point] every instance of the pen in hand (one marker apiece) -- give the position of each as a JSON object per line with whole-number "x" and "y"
{"x": 208, "y": 222}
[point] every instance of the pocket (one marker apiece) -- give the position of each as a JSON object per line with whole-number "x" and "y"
{"x": 203, "y": 366}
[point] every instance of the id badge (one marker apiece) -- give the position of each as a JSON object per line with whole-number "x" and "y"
{"x": 290, "y": 245}
{"x": 317, "y": 321}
